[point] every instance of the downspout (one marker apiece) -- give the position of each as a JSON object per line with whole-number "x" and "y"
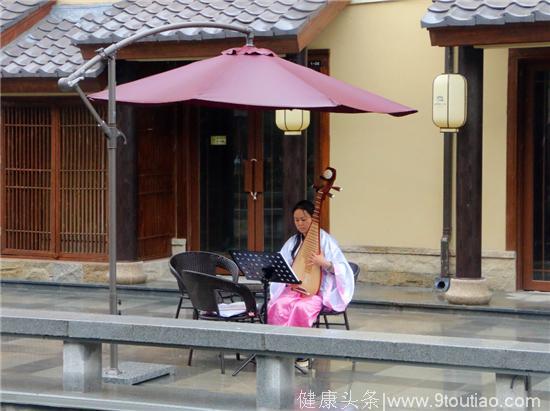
{"x": 442, "y": 282}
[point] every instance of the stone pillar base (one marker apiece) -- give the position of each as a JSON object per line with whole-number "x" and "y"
{"x": 81, "y": 366}
{"x": 468, "y": 291}
{"x": 130, "y": 273}
{"x": 274, "y": 383}
{"x": 126, "y": 273}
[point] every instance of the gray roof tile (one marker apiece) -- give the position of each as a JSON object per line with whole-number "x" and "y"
{"x": 45, "y": 50}
{"x": 13, "y": 11}
{"x": 48, "y": 49}
{"x": 542, "y": 12}
{"x": 134, "y": 14}
{"x": 445, "y": 13}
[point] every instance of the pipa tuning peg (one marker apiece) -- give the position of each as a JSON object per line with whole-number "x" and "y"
{"x": 331, "y": 195}
{"x": 337, "y": 188}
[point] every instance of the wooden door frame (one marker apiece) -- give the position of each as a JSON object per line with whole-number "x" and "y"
{"x": 521, "y": 62}
{"x": 255, "y": 150}
{"x": 322, "y": 156}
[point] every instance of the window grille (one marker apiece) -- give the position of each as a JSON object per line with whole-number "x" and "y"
{"x": 54, "y": 188}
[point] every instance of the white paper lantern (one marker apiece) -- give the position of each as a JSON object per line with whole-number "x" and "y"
{"x": 449, "y": 102}
{"x": 292, "y": 122}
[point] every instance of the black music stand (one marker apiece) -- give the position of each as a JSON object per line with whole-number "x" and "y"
{"x": 267, "y": 267}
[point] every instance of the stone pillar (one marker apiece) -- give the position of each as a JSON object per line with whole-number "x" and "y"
{"x": 81, "y": 366}
{"x": 274, "y": 383}
{"x": 468, "y": 287}
{"x": 512, "y": 392}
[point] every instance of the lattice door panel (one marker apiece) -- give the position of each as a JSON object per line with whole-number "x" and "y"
{"x": 54, "y": 182}
{"x": 27, "y": 178}
{"x": 82, "y": 184}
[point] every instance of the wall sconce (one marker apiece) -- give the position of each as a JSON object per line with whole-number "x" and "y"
{"x": 449, "y": 102}
{"x": 292, "y": 122}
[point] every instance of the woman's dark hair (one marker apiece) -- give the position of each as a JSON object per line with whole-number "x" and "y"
{"x": 305, "y": 205}
{"x": 309, "y": 208}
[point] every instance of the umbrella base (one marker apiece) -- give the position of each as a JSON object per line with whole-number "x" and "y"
{"x": 136, "y": 372}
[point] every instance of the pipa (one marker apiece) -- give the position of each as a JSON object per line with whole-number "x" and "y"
{"x": 310, "y": 275}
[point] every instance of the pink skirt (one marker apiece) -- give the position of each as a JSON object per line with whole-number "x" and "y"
{"x": 294, "y": 309}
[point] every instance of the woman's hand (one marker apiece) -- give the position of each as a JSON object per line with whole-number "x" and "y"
{"x": 320, "y": 261}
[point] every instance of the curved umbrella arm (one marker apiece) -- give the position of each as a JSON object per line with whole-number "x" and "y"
{"x": 69, "y": 82}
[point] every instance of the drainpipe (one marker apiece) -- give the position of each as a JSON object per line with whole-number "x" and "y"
{"x": 442, "y": 282}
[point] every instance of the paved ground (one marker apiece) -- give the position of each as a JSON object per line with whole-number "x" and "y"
{"x": 35, "y": 365}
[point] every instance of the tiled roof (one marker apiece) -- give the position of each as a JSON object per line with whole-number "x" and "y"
{"x": 48, "y": 50}
{"x": 12, "y": 11}
{"x": 445, "y": 13}
{"x": 265, "y": 17}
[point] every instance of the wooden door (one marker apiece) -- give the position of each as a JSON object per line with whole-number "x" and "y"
{"x": 156, "y": 131}
{"x": 536, "y": 169}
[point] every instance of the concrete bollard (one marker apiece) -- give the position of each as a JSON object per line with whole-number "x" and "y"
{"x": 81, "y": 366}
{"x": 274, "y": 383}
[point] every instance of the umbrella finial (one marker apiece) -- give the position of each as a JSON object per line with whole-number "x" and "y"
{"x": 250, "y": 39}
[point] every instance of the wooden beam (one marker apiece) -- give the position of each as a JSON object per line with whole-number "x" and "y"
{"x": 512, "y": 33}
{"x": 316, "y": 25}
{"x": 26, "y": 23}
{"x": 180, "y": 50}
{"x": 29, "y": 86}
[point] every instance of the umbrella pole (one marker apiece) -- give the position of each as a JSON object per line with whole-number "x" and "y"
{"x": 113, "y": 374}
{"x": 112, "y": 151}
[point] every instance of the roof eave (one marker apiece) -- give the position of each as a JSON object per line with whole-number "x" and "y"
{"x": 485, "y": 35}
{"x": 291, "y": 42}
{"x": 26, "y": 23}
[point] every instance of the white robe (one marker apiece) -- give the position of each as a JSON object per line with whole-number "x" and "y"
{"x": 336, "y": 288}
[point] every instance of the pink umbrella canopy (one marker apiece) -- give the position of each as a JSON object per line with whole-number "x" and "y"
{"x": 253, "y": 78}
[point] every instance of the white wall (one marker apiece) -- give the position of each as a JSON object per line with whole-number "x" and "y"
{"x": 391, "y": 168}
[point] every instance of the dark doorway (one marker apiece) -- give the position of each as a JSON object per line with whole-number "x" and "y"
{"x": 536, "y": 275}
{"x": 223, "y": 151}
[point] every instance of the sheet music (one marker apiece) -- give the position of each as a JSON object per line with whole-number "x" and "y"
{"x": 252, "y": 263}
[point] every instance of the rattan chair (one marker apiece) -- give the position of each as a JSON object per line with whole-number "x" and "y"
{"x": 203, "y": 262}
{"x": 204, "y": 291}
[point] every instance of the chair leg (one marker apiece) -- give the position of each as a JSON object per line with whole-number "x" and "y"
{"x": 346, "y": 319}
{"x": 222, "y": 362}
{"x": 179, "y": 308}
{"x": 316, "y": 323}
{"x": 190, "y": 357}
{"x": 326, "y": 322}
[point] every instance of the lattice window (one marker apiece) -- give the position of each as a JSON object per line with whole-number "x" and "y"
{"x": 54, "y": 186}
{"x": 82, "y": 184}
{"x": 27, "y": 172}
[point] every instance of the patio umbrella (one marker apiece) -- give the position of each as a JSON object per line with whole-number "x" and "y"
{"x": 253, "y": 78}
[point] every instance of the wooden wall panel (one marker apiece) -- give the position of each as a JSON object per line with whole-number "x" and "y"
{"x": 156, "y": 128}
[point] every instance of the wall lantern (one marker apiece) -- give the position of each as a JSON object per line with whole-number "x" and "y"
{"x": 449, "y": 102}
{"x": 292, "y": 122}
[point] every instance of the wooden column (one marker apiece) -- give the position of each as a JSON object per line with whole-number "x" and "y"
{"x": 294, "y": 167}
{"x": 127, "y": 186}
{"x": 469, "y": 169}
